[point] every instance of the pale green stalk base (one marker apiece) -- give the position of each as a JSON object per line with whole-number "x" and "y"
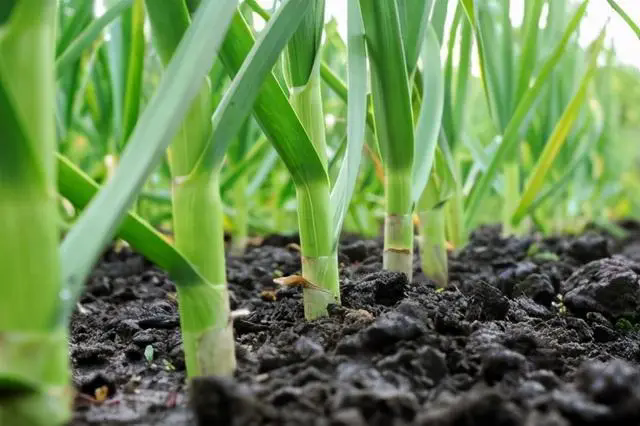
{"x": 398, "y": 224}
{"x": 34, "y": 370}
{"x": 240, "y": 233}
{"x": 204, "y": 307}
{"x": 319, "y": 270}
{"x": 207, "y": 330}
{"x": 25, "y": 398}
{"x": 398, "y": 244}
{"x": 319, "y": 259}
{"x": 511, "y": 197}
{"x": 433, "y": 250}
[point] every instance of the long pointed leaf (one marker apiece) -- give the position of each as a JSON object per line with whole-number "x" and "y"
{"x": 356, "y": 118}
{"x": 430, "y": 117}
{"x": 625, "y": 16}
{"x": 135, "y": 68}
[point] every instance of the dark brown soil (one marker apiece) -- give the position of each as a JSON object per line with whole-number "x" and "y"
{"x": 532, "y": 331}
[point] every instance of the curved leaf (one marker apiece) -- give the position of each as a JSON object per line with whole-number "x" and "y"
{"x": 356, "y": 118}
{"x": 430, "y": 117}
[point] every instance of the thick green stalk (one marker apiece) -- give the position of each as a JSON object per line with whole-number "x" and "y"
{"x": 204, "y": 309}
{"x": 279, "y": 122}
{"x": 34, "y": 374}
{"x": 319, "y": 258}
{"x": 197, "y": 217}
{"x": 398, "y": 224}
{"x": 394, "y": 128}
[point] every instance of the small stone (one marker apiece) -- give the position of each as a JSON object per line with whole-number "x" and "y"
{"x": 358, "y": 317}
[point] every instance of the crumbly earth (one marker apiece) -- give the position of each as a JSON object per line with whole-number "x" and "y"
{"x": 532, "y": 331}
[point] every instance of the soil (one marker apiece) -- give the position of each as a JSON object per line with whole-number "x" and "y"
{"x": 532, "y": 331}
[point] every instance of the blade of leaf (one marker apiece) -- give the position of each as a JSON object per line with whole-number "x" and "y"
{"x": 414, "y": 17}
{"x": 135, "y": 68}
{"x": 529, "y": 54}
{"x": 430, "y": 117}
{"x": 625, "y": 16}
{"x": 356, "y": 118}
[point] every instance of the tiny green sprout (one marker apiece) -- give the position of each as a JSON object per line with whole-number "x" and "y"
{"x": 624, "y": 325}
{"x": 534, "y": 249}
{"x": 559, "y": 305}
{"x": 546, "y": 256}
{"x": 148, "y": 353}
